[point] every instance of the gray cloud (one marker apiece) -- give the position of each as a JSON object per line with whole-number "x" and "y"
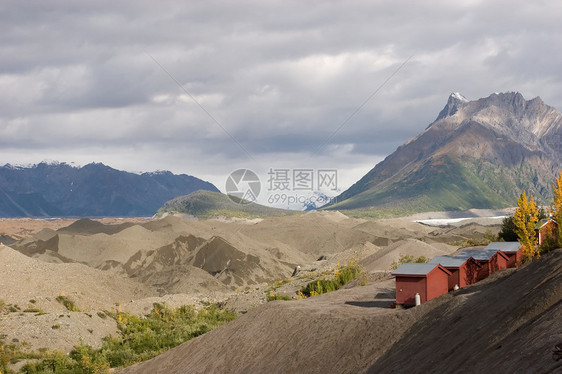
{"x": 78, "y": 83}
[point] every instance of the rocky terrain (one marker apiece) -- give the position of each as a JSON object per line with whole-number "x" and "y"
{"x": 476, "y": 154}
{"x": 110, "y": 264}
{"x": 120, "y": 265}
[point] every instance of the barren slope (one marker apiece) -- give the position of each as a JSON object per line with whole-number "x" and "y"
{"x": 33, "y": 286}
{"x": 508, "y": 323}
{"x": 174, "y": 255}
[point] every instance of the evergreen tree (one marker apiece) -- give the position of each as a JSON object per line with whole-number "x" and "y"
{"x": 507, "y": 232}
{"x": 525, "y": 219}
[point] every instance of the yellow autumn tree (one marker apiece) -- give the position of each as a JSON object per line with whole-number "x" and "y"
{"x": 525, "y": 219}
{"x": 557, "y": 205}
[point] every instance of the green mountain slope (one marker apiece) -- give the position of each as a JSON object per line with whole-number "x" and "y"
{"x": 207, "y": 204}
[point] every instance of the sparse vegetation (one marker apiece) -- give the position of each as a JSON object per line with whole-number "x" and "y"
{"x": 31, "y": 309}
{"x": 277, "y": 296}
{"x": 341, "y": 277}
{"x": 272, "y": 293}
{"x": 102, "y": 315}
{"x": 403, "y": 259}
{"x": 12, "y": 353}
{"x": 281, "y": 282}
{"x": 363, "y": 279}
{"x": 315, "y": 275}
{"x": 68, "y": 304}
{"x": 140, "y": 339}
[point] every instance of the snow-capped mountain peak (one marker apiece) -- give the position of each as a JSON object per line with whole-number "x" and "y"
{"x": 459, "y": 96}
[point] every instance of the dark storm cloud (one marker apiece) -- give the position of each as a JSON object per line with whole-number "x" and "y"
{"x": 280, "y": 78}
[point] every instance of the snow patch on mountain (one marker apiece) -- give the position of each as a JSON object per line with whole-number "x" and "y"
{"x": 459, "y": 96}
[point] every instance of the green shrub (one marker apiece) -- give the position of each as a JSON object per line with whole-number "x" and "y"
{"x": 340, "y": 278}
{"x": 33, "y": 310}
{"x": 140, "y": 339}
{"x": 54, "y": 362}
{"x": 281, "y": 282}
{"x": 12, "y": 353}
{"x": 68, "y": 304}
{"x": 277, "y": 296}
{"x": 162, "y": 329}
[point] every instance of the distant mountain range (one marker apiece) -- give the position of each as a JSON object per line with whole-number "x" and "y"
{"x": 476, "y": 154}
{"x": 94, "y": 190}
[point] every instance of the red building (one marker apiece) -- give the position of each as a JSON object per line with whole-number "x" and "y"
{"x": 464, "y": 271}
{"x": 490, "y": 260}
{"x": 512, "y": 250}
{"x": 428, "y": 280}
{"x": 545, "y": 228}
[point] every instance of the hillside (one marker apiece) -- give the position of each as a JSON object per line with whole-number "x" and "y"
{"x": 130, "y": 264}
{"x": 95, "y": 190}
{"x": 508, "y": 323}
{"x": 476, "y": 154}
{"x": 172, "y": 255}
{"x": 208, "y": 204}
{"x": 32, "y": 286}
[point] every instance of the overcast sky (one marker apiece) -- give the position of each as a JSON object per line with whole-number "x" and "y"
{"x": 206, "y": 87}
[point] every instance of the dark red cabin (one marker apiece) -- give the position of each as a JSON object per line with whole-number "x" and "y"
{"x": 490, "y": 259}
{"x": 545, "y": 227}
{"x": 513, "y": 251}
{"x": 429, "y": 280}
{"x": 464, "y": 271}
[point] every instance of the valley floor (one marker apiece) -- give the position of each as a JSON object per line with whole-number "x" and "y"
{"x": 128, "y": 265}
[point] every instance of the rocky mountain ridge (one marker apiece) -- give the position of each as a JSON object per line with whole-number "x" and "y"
{"x": 476, "y": 154}
{"x": 59, "y": 189}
